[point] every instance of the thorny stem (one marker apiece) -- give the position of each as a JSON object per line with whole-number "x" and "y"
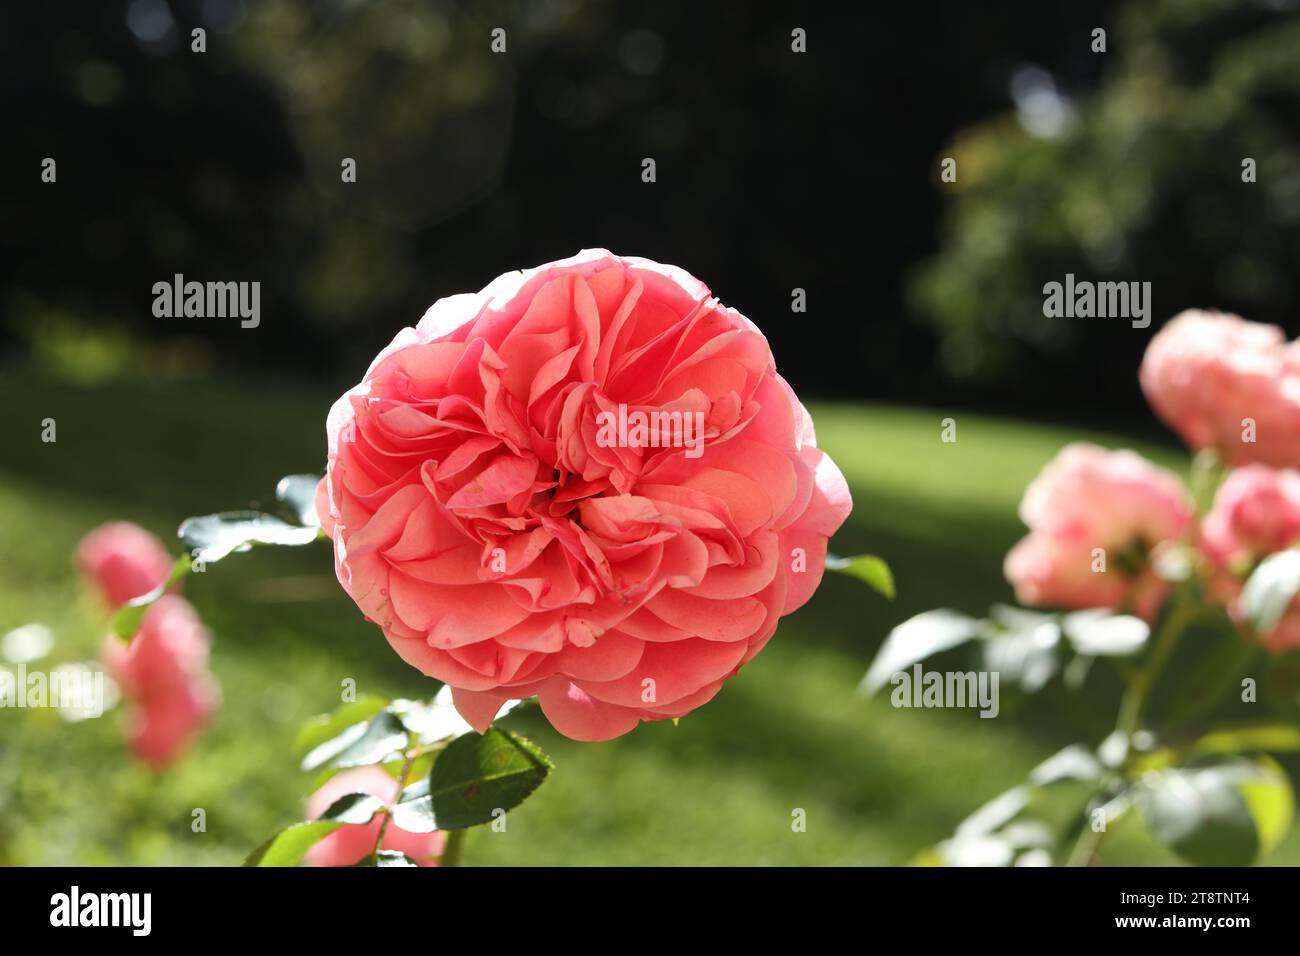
{"x": 454, "y": 847}
{"x": 411, "y": 754}
{"x": 1140, "y": 686}
{"x": 1131, "y": 710}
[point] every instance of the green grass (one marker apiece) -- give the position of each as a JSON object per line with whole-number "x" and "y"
{"x": 877, "y": 784}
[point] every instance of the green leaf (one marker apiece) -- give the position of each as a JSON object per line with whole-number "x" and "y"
{"x": 393, "y": 858}
{"x": 1021, "y": 646}
{"x": 1076, "y": 672}
{"x": 1200, "y": 816}
{"x": 1277, "y": 738}
{"x": 127, "y": 619}
{"x": 1271, "y": 802}
{"x": 297, "y": 495}
{"x": 290, "y": 845}
{"x": 916, "y": 639}
{"x": 1075, "y": 762}
{"x": 994, "y": 814}
{"x": 1114, "y": 749}
{"x": 976, "y": 850}
{"x": 414, "y": 809}
{"x": 353, "y": 808}
{"x": 477, "y": 775}
{"x": 1203, "y": 681}
{"x": 372, "y": 742}
{"x": 392, "y": 766}
{"x": 865, "y": 567}
{"x": 931, "y": 856}
{"x": 212, "y": 537}
{"x": 1280, "y": 685}
{"x": 1098, "y": 633}
{"x": 439, "y": 719}
{"x": 324, "y": 754}
{"x": 1270, "y": 589}
{"x": 326, "y": 727}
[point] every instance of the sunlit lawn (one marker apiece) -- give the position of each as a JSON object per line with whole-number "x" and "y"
{"x": 789, "y": 733}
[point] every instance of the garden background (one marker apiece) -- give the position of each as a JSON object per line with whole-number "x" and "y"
{"x": 775, "y": 170}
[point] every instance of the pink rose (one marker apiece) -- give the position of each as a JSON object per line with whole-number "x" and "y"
{"x": 483, "y": 516}
{"x": 1256, "y": 512}
{"x": 349, "y": 844}
{"x": 159, "y": 732}
{"x": 123, "y": 561}
{"x": 1089, "y": 498}
{"x": 163, "y": 674}
{"x": 1224, "y": 383}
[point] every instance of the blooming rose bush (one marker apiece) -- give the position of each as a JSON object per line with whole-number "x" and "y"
{"x": 1136, "y": 560}
{"x": 504, "y": 549}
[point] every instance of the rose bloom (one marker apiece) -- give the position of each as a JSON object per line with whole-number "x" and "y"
{"x": 505, "y": 549}
{"x": 1207, "y": 373}
{"x": 1088, "y": 498}
{"x": 163, "y": 674}
{"x": 352, "y": 843}
{"x": 123, "y": 561}
{"x": 1256, "y": 512}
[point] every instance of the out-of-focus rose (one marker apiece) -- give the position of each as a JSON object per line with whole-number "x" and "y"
{"x": 163, "y": 674}
{"x": 482, "y": 516}
{"x": 1224, "y": 383}
{"x": 123, "y": 561}
{"x": 349, "y": 844}
{"x": 1088, "y": 498}
{"x": 1256, "y": 512}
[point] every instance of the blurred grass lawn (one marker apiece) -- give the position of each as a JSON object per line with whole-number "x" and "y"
{"x": 877, "y": 784}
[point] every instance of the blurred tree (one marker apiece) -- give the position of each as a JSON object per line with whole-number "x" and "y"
{"x": 1141, "y": 181}
{"x": 776, "y": 169}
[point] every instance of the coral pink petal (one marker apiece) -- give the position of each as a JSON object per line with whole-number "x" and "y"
{"x": 581, "y": 717}
{"x": 478, "y": 709}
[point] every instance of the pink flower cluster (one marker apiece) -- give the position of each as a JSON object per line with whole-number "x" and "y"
{"x": 1099, "y": 519}
{"x": 163, "y": 671}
